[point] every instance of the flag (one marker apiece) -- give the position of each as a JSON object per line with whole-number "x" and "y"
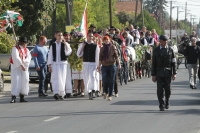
{"x": 12, "y": 16}
{"x": 83, "y": 25}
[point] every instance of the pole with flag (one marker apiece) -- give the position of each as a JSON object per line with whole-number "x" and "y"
{"x": 83, "y": 25}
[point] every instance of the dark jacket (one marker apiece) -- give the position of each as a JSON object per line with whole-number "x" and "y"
{"x": 192, "y": 54}
{"x": 163, "y": 62}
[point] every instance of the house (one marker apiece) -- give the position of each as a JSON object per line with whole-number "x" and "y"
{"x": 128, "y": 6}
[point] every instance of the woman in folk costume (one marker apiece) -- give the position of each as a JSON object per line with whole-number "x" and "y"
{"x": 90, "y": 52}
{"x": 98, "y": 41}
{"x": 107, "y": 58}
{"x": 58, "y": 65}
{"x": 77, "y": 76}
{"x": 20, "y": 60}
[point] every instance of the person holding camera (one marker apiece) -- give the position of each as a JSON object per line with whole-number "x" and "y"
{"x": 58, "y": 66}
{"x": 163, "y": 70}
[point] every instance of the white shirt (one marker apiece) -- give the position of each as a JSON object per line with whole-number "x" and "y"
{"x": 68, "y": 51}
{"x": 96, "y": 53}
{"x": 17, "y": 61}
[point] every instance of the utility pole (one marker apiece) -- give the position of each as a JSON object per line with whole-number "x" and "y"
{"x": 190, "y": 24}
{"x": 136, "y": 5}
{"x": 68, "y": 4}
{"x": 54, "y": 22}
{"x": 185, "y": 15}
{"x": 170, "y": 20}
{"x": 177, "y": 18}
{"x": 142, "y": 11}
{"x": 110, "y": 10}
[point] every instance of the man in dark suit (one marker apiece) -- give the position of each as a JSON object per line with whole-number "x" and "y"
{"x": 163, "y": 69}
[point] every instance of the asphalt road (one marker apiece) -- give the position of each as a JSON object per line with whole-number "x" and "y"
{"x": 134, "y": 111}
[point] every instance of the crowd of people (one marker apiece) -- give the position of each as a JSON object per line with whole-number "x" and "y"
{"x": 101, "y": 63}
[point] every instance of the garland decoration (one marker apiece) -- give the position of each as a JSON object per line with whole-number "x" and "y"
{"x": 76, "y": 39}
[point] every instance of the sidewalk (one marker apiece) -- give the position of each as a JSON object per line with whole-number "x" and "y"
{"x": 7, "y": 87}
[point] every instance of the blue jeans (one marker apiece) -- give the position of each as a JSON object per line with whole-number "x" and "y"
{"x": 42, "y": 76}
{"x": 108, "y": 78}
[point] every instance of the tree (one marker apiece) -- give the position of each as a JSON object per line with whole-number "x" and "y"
{"x": 6, "y": 43}
{"x": 35, "y": 14}
{"x": 149, "y": 22}
{"x": 157, "y": 8}
{"x": 125, "y": 17}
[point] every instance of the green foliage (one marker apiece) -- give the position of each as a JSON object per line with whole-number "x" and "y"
{"x": 153, "y": 6}
{"x": 125, "y": 18}
{"x": 35, "y": 14}
{"x": 149, "y": 22}
{"x": 140, "y": 50}
{"x": 6, "y": 43}
{"x": 6, "y": 5}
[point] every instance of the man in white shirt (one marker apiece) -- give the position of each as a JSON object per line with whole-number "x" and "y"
{"x": 58, "y": 66}
{"x": 20, "y": 60}
{"x": 90, "y": 52}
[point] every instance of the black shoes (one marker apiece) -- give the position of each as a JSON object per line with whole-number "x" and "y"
{"x": 56, "y": 96}
{"x": 90, "y": 96}
{"x": 193, "y": 87}
{"x": 13, "y": 99}
{"x": 68, "y": 95}
{"x": 42, "y": 95}
{"x": 22, "y": 98}
{"x": 161, "y": 107}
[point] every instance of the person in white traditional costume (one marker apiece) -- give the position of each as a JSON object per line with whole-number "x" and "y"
{"x": 58, "y": 66}
{"x": 68, "y": 84}
{"x": 90, "y": 52}
{"x": 20, "y": 60}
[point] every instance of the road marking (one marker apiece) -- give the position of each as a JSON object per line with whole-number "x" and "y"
{"x": 51, "y": 119}
{"x": 12, "y": 132}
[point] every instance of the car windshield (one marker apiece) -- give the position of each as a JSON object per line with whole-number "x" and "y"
{"x": 30, "y": 48}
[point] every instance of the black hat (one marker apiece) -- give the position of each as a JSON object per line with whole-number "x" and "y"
{"x": 66, "y": 33}
{"x": 163, "y": 37}
{"x": 23, "y": 39}
{"x": 92, "y": 26}
{"x": 136, "y": 27}
{"x": 112, "y": 28}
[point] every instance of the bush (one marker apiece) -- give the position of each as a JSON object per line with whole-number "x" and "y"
{"x": 6, "y": 43}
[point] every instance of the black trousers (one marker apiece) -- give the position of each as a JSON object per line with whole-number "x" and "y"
{"x": 163, "y": 87}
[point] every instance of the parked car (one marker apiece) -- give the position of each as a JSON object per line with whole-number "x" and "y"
{"x": 33, "y": 75}
{"x": 5, "y": 60}
{"x": 1, "y": 81}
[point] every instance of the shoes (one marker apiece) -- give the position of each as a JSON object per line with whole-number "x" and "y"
{"x": 98, "y": 94}
{"x": 167, "y": 103}
{"x": 105, "y": 96}
{"x": 93, "y": 94}
{"x": 42, "y": 95}
{"x": 13, "y": 99}
{"x": 61, "y": 98}
{"x": 68, "y": 95}
{"x": 192, "y": 86}
{"x": 56, "y": 96}
{"x": 22, "y": 98}
{"x": 82, "y": 94}
{"x": 90, "y": 96}
{"x": 109, "y": 98}
{"x": 116, "y": 95}
{"x": 162, "y": 107}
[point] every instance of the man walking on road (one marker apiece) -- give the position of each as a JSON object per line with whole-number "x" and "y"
{"x": 58, "y": 65}
{"x": 163, "y": 69}
{"x": 192, "y": 54}
{"x": 40, "y": 53}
